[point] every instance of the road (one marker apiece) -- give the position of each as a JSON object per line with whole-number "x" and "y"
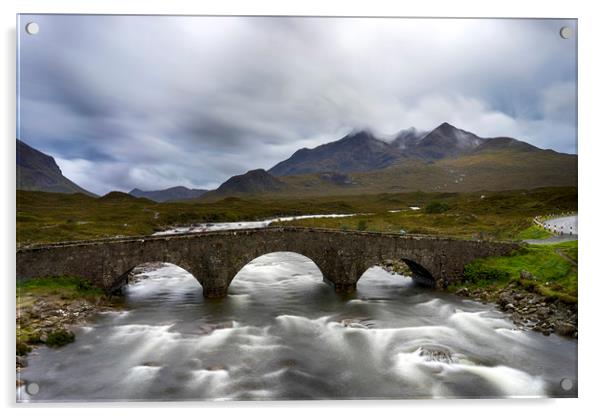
{"x": 565, "y": 225}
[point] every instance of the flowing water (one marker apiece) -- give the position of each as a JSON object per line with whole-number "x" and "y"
{"x": 282, "y": 333}
{"x": 240, "y": 225}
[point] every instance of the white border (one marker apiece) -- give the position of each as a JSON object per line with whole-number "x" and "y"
{"x": 590, "y": 202}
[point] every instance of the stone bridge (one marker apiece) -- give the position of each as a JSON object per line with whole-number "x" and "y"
{"x": 214, "y": 258}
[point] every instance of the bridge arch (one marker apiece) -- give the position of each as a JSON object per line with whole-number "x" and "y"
{"x": 419, "y": 274}
{"x": 129, "y": 276}
{"x": 290, "y": 264}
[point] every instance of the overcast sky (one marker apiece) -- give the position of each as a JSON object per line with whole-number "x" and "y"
{"x": 154, "y": 102}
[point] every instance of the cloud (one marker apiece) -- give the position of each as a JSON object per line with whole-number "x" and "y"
{"x": 152, "y": 102}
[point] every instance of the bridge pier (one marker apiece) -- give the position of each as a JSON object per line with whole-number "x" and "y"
{"x": 215, "y": 292}
{"x": 345, "y": 287}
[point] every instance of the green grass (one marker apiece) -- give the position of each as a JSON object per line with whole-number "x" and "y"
{"x": 66, "y": 287}
{"x": 504, "y": 215}
{"x": 555, "y": 275}
{"x": 534, "y": 232}
{"x": 46, "y": 218}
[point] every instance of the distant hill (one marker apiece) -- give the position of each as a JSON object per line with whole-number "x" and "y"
{"x": 256, "y": 181}
{"x": 356, "y": 152}
{"x": 37, "y": 171}
{"x": 176, "y": 193}
{"x": 116, "y": 196}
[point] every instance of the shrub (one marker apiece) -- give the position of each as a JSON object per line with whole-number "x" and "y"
{"x": 83, "y": 285}
{"x": 59, "y": 338}
{"x": 477, "y": 271}
{"x": 362, "y": 225}
{"x": 436, "y": 207}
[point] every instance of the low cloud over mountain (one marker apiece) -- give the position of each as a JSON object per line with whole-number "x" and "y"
{"x": 142, "y": 100}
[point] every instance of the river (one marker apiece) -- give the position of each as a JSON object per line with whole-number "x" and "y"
{"x": 240, "y": 225}
{"x": 282, "y": 333}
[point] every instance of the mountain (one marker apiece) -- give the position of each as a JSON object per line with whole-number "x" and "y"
{"x": 444, "y": 141}
{"x": 362, "y": 152}
{"x": 445, "y": 159}
{"x": 37, "y": 171}
{"x": 357, "y": 152}
{"x": 176, "y": 193}
{"x": 253, "y": 182}
{"x": 407, "y": 138}
{"x": 505, "y": 143}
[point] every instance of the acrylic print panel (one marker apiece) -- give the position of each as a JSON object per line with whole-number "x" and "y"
{"x": 267, "y": 208}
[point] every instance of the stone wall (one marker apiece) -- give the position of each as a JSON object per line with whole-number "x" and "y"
{"x": 214, "y": 258}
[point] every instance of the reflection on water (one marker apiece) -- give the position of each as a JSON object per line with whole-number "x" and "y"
{"x": 282, "y": 333}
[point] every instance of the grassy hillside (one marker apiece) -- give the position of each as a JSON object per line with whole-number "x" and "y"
{"x": 497, "y": 215}
{"x": 494, "y": 169}
{"x": 47, "y": 217}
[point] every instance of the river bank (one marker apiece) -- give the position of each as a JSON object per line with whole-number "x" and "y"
{"x": 543, "y": 303}
{"x": 48, "y": 310}
{"x": 529, "y": 310}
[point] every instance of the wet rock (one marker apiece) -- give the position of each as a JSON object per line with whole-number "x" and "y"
{"x": 150, "y": 364}
{"x": 566, "y": 329}
{"x": 524, "y": 274}
{"x": 21, "y": 362}
{"x": 217, "y": 367}
{"x": 438, "y": 353}
{"x": 353, "y": 323}
{"x": 509, "y": 307}
{"x": 207, "y": 329}
{"x": 463, "y": 292}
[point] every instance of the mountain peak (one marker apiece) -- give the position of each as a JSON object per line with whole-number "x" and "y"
{"x": 358, "y": 151}
{"x": 254, "y": 181}
{"x": 359, "y": 135}
{"x": 446, "y": 141}
{"x": 445, "y": 125}
{"x": 37, "y": 171}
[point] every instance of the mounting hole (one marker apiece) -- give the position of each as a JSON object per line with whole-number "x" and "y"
{"x": 566, "y": 384}
{"x": 566, "y": 32}
{"x": 33, "y": 389}
{"x": 32, "y": 28}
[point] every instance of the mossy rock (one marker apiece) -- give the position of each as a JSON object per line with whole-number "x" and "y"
{"x": 59, "y": 338}
{"x": 23, "y": 349}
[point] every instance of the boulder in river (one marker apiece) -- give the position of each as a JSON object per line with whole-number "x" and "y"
{"x": 566, "y": 329}
{"x": 434, "y": 352}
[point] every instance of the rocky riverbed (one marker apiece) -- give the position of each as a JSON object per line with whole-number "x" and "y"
{"x": 530, "y": 310}
{"x": 48, "y": 319}
{"x": 527, "y": 309}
